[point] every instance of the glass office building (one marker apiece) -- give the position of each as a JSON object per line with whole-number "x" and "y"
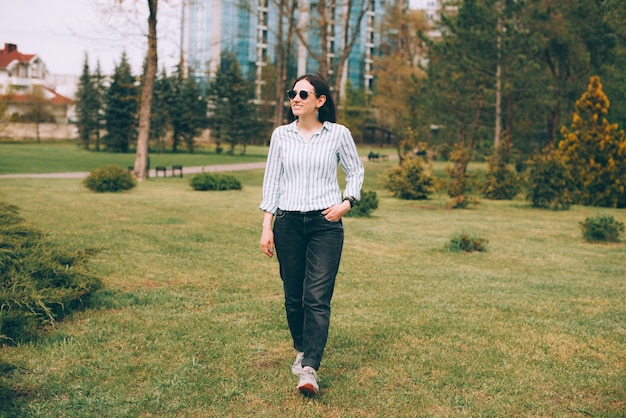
{"x": 248, "y": 30}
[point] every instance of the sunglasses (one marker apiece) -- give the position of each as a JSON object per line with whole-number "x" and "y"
{"x": 303, "y": 94}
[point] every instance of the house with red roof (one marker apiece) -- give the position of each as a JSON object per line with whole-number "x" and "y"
{"x": 23, "y": 88}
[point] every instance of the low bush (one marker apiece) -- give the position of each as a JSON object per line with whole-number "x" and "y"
{"x": 501, "y": 182}
{"x": 209, "y": 181}
{"x": 365, "y": 206}
{"x": 110, "y": 178}
{"x": 39, "y": 280}
{"x": 602, "y": 228}
{"x": 468, "y": 242}
{"x": 548, "y": 183}
{"x": 411, "y": 180}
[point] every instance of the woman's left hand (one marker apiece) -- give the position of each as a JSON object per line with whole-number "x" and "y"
{"x": 336, "y": 212}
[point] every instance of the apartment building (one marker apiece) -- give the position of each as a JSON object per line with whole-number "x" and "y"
{"x": 249, "y": 31}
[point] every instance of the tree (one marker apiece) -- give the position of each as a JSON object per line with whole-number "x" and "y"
{"x": 99, "y": 96}
{"x": 194, "y": 113}
{"x": 461, "y": 77}
{"x": 398, "y": 91}
{"x": 187, "y": 110}
{"x": 594, "y": 151}
{"x": 141, "y": 158}
{"x": 39, "y": 109}
{"x": 86, "y": 106}
{"x": 160, "y": 122}
{"x": 121, "y": 108}
{"x": 234, "y": 116}
{"x": 569, "y": 40}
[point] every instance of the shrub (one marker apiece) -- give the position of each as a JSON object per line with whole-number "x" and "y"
{"x": 365, "y": 206}
{"x": 39, "y": 281}
{"x": 208, "y": 181}
{"x": 548, "y": 182}
{"x": 459, "y": 183}
{"x": 411, "y": 180}
{"x": 502, "y": 183}
{"x": 602, "y": 228}
{"x": 468, "y": 242}
{"x": 110, "y": 178}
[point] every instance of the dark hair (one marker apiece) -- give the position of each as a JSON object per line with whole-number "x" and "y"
{"x": 327, "y": 111}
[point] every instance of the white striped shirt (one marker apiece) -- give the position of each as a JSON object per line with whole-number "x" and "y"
{"x": 301, "y": 175}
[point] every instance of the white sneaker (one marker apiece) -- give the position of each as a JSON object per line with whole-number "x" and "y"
{"x": 296, "y": 367}
{"x": 308, "y": 381}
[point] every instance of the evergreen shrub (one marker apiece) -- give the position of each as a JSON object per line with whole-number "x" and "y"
{"x": 209, "y": 181}
{"x": 411, "y": 180}
{"x": 467, "y": 242}
{"x": 110, "y": 178}
{"x": 39, "y": 280}
{"x": 364, "y": 207}
{"x": 601, "y": 228}
{"x": 501, "y": 183}
{"x": 548, "y": 183}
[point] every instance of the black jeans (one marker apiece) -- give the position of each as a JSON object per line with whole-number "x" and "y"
{"x": 308, "y": 248}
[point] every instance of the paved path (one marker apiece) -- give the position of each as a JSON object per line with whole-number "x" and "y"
{"x": 186, "y": 170}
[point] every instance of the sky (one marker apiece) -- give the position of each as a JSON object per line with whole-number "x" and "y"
{"x": 61, "y": 31}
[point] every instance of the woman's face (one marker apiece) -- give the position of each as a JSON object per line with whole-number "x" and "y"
{"x": 308, "y": 106}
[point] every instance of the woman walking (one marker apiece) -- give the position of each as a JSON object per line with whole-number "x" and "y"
{"x": 301, "y": 191}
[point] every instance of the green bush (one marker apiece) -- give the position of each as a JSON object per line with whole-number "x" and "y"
{"x": 468, "y": 242}
{"x": 208, "y": 181}
{"x": 548, "y": 183}
{"x": 501, "y": 182}
{"x": 39, "y": 281}
{"x": 411, "y": 180}
{"x": 110, "y": 178}
{"x": 365, "y": 206}
{"x": 602, "y": 228}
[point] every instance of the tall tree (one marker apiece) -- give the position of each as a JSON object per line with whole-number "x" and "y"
{"x": 147, "y": 86}
{"x": 233, "y": 118}
{"x": 86, "y": 106}
{"x": 570, "y": 40}
{"x": 160, "y": 122}
{"x": 193, "y": 113}
{"x": 99, "y": 97}
{"x": 399, "y": 79}
{"x": 121, "y": 108}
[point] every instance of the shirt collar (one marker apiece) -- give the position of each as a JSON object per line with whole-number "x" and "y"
{"x": 292, "y": 125}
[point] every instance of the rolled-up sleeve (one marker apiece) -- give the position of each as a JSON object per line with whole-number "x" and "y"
{"x": 271, "y": 180}
{"x": 351, "y": 164}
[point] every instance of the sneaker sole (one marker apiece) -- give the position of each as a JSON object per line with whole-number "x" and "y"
{"x": 308, "y": 389}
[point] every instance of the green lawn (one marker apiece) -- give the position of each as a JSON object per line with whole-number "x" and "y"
{"x": 61, "y": 157}
{"x": 191, "y": 322}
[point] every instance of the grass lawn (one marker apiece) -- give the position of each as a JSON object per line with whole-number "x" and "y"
{"x": 191, "y": 322}
{"x": 59, "y": 157}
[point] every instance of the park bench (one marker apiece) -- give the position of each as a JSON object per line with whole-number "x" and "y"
{"x": 178, "y": 168}
{"x": 373, "y": 156}
{"x": 160, "y": 168}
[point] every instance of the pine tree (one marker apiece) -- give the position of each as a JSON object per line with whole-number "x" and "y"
{"x": 160, "y": 116}
{"x": 86, "y": 106}
{"x": 121, "y": 109}
{"x": 594, "y": 151}
{"x": 99, "y": 97}
{"x": 234, "y": 118}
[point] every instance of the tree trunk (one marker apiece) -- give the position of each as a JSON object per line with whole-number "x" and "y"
{"x": 498, "y": 127}
{"x": 141, "y": 159}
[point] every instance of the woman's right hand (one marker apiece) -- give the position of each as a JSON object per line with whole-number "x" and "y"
{"x": 267, "y": 241}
